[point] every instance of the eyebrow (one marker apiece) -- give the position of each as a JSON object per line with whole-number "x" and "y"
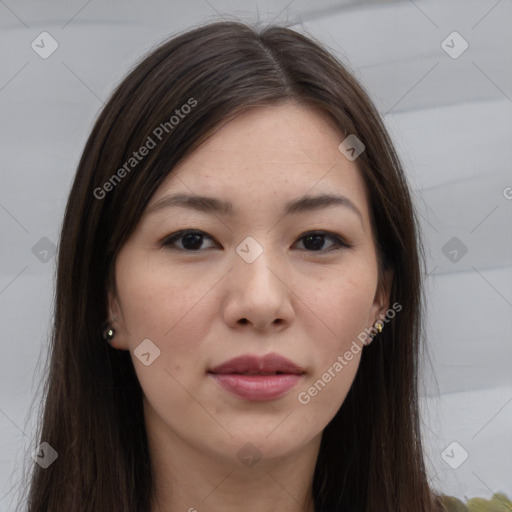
{"x": 214, "y": 205}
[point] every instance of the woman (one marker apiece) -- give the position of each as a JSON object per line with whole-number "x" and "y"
{"x": 238, "y": 300}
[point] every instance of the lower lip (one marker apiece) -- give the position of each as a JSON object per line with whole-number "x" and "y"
{"x": 257, "y": 387}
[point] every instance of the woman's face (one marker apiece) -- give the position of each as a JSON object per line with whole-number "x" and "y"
{"x": 250, "y": 282}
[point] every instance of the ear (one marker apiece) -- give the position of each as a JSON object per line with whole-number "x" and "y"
{"x": 114, "y": 318}
{"x": 382, "y": 297}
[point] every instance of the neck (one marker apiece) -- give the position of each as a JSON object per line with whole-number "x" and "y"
{"x": 197, "y": 479}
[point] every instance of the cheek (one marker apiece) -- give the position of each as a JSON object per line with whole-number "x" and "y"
{"x": 176, "y": 317}
{"x": 355, "y": 300}
{"x": 340, "y": 307}
{"x": 172, "y": 309}
{"x": 338, "y": 315}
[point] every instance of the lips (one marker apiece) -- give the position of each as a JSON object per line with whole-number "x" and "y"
{"x": 257, "y": 378}
{"x": 270, "y": 364}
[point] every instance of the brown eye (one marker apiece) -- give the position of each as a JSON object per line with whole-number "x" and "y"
{"x": 314, "y": 241}
{"x": 191, "y": 240}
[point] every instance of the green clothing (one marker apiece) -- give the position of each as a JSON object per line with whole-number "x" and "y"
{"x": 498, "y": 503}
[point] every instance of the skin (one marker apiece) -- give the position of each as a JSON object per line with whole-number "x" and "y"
{"x": 205, "y": 305}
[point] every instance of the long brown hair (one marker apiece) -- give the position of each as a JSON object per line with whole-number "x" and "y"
{"x": 371, "y": 455}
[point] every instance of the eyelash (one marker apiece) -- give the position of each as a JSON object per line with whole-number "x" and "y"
{"x": 169, "y": 240}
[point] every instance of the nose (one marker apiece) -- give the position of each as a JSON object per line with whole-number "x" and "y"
{"x": 258, "y": 294}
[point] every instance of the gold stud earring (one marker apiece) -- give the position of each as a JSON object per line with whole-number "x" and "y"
{"x": 108, "y": 334}
{"x": 379, "y": 327}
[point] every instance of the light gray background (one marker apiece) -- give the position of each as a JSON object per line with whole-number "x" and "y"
{"x": 451, "y": 120}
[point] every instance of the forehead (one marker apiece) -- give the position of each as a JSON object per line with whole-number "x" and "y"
{"x": 270, "y": 153}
